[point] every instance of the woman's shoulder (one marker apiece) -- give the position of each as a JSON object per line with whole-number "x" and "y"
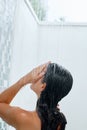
{"x": 29, "y": 118}
{"x": 24, "y": 114}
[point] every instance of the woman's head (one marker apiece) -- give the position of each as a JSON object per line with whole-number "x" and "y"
{"x": 56, "y": 84}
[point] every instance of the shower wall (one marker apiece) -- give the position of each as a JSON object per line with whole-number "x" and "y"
{"x": 7, "y": 10}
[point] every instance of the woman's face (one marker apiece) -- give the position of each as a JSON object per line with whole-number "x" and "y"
{"x": 38, "y": 86}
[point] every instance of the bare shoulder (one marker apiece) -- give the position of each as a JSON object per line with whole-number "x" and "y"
{"x": 13, "y": 115}
{"x": 29, "y": 119}
{"x": 19, "y": 118}
{"x": 24, "y": 118}
{"x": 22, "y": 114}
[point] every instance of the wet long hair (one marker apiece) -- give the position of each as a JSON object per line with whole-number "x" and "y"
{"x": 58, "y": 84}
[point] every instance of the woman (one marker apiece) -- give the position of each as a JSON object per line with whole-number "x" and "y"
{"x": 51, "y": 83}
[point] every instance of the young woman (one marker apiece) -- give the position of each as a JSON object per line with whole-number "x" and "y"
{"x": 51, "y": 83}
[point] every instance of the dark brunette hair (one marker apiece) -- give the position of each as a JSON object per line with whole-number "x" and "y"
{"x": 58, "y": 84}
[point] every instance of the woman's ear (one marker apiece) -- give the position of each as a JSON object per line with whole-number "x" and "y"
{"x": 43, "y": 86}
{"x": 59, "y": 127}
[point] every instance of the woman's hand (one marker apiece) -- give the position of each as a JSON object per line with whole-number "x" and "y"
{"x": 35, "y": 74}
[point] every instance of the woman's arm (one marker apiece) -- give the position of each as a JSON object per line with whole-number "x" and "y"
{"x": 9, "y": 94}
{"x": 13, "y": 115}
{"x": 33, "y": 76}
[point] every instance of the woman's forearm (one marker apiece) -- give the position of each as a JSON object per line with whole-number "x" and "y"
{"x": 7, "y": 95}
{"x": 31, "y": 77}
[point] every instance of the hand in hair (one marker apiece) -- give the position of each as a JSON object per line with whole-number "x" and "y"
{"x": 35, "y": 74}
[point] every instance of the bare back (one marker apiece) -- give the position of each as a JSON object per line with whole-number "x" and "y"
{"x": 20, "y": 119}
{"x": 32, "y": 122}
